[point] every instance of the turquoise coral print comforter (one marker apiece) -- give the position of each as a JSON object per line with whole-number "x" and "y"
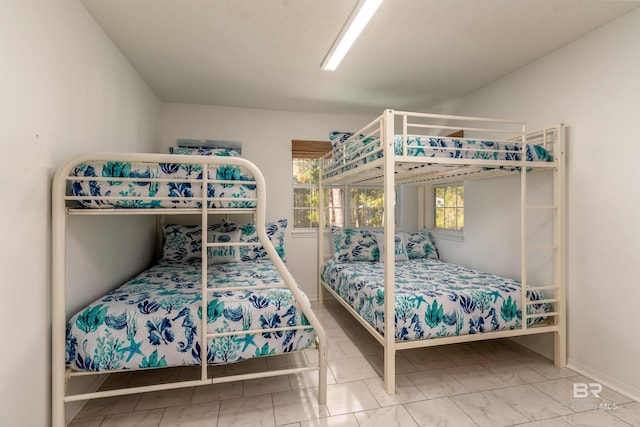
{"x": 433, "y": 298}
{"x": 154, "y": 320}
{"x": 454, "y": 148}
{"x": 469, "y": 149}
{"x": 182, "y": 194}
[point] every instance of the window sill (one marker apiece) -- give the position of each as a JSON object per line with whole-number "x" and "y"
{"x": 451, "y": 235}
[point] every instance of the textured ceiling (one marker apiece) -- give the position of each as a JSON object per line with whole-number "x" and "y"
{"x": 267, "y": 53}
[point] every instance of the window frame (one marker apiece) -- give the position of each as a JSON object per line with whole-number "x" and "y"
{"x": 345, "y": 206}
{"x": 310, "y": 150}
{"x": 315, "y": 150}
{"x": 313, "y": 187}
{"x": 454, "y": 234}
{"x": 308, "y": 209}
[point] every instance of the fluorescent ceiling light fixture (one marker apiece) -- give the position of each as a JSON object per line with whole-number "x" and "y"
{"x": 357, "y": 21}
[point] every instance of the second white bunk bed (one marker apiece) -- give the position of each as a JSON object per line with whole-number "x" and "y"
{"x": 404, "y": 148}
{"x": 232, "y": 284}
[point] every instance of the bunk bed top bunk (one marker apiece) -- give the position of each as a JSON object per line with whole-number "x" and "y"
{"x": 213, "y": 298}
{"x": 435, "y": 148}
{"x": 160, "y": 181}
{"x": 407, "y": 289}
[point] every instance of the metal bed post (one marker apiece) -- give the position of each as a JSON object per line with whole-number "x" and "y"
{"x": 58, "y": 315}
{"x": 387, "y": 132}
{"x": 560, "y": 280}
{"x": 321, "y": 226}
{"x": 523, "y": 225}
{"x": 204, "y": 354}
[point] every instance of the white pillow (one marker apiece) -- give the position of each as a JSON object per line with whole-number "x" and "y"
{"x": 400, "y": 248}
{"x": 220, "y": 254}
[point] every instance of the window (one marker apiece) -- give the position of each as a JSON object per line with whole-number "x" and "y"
{"x": 306, "y": 196}
{"x": 365, "y": 204}
{"x": 449, "y": 207}
{"x": 306, "y": 170}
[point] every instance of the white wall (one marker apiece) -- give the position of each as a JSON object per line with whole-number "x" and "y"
{"x": 266, "y": 141}
{"x": 491, "y": 237}
{"x": 65, "y": 89}
{"x": 592, "y": 86}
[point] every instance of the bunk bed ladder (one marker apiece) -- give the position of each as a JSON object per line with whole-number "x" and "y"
{"x": 556, "y": 211}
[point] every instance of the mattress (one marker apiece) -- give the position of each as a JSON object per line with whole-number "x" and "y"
{"x": 433, "y": 298}
{"x": 154, "y": 320}
{"x": 137, "y": 187}
{"x": 367, "y": 150}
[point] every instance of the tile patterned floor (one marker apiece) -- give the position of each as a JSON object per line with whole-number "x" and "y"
{"x": 492, "y": 383}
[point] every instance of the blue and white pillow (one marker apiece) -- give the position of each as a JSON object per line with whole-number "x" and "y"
{"x": 351, "y": 244}
{"x": 248, "y": 233}
{"x": 338, "y": 140}
{"x": 226, "y": 226}
{"x": 182, "y": 243}
{"x": 225, "y": 152}
{"x": 221, "y": 254}
{"x": 275, "y": 231}
{"x": 400, "y": 249}
{"x": 420, "y": 245}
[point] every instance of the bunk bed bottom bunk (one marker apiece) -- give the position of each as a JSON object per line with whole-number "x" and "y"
{"x": 433, "y": 299}
{"x": 422, "y": 318}
{"x": 154, "y": 320}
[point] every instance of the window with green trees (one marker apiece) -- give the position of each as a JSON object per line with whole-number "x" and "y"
{"x": 365, "y": 205}
{"x": 306, "y": 196}
{"x": 449, "y": 207}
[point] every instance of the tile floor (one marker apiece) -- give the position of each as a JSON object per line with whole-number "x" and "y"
{"x": 491, "y": 383}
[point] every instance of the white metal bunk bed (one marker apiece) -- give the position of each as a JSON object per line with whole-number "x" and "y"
{"x": 77, "y": 191}
{"x": 409, "y": 148}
